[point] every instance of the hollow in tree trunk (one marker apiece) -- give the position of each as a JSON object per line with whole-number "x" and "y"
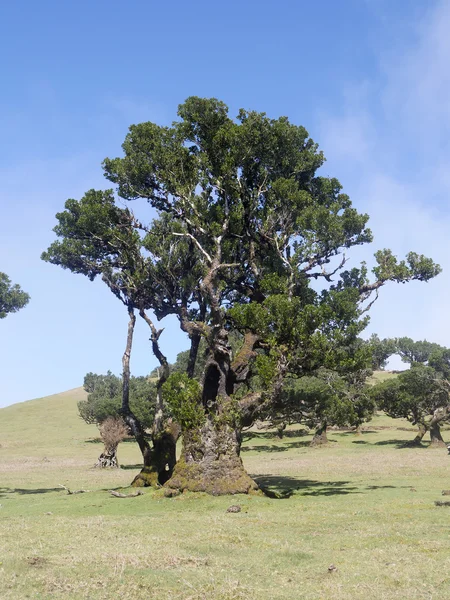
{"x": 160, "y": 460}
{"x": 210, "y": 458}
{"x": 320, "y": 435}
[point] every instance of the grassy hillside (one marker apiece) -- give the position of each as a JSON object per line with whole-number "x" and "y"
{"x": 380, "y": 376}
{"x": 364, "y": 504}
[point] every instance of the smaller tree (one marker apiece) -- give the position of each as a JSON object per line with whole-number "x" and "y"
{"x": 382, "y": 350}
{"x": 12, "y": 298}
{"x": 419, "y": 352}
{"x": 104, "y": 405}
{"x": 326, "y": 399}
{"x": 113, "y": 430}
{"x": 419, "y": 395}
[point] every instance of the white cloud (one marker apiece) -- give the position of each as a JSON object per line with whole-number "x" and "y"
{"x": 393, "y": 158}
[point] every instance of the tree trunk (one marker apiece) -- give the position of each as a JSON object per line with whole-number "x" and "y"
{"x": 435, "y": 435}
{"x": 417, "y": 441}
{"x": 210, "y": 461}
{"x": 147, "y": 477}
{"x": 439, "y": 415}
{"x": 159, "y": 460}
{"x": 108, "y": 458}
{"x": 280, "y": 430}
{"x": 320, "y": 435}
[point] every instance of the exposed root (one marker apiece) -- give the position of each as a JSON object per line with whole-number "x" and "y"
{"x": 74, "y": 491}
{"x": 120, "y": 495}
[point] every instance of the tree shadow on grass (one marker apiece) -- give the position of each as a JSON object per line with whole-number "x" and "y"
{"x": 131, "y": 467}
{"x": 275, "y": 448}
{"x": 400, "y": 444}
{"x": 22, "y": 491}
{"x": 270, "y": 435}
{"x": 281, "y": 486}
{"x": 287, "y": 446}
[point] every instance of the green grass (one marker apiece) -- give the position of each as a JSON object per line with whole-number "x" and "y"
{"x": 364, "y": 503}
{"x": 380, "y": 376}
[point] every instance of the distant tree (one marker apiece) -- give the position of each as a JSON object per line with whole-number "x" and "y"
{"x": 113, "y": 430}
{"x": 439, "y": 360}
{"x": 338, "y": 397}
{"x": 411, "y": 351}
{"x": 12, "y": 298}
{"x": 419, "y": 395}
{"x": 104, "y": 404}
{"x": 382, "y": 350}
{"x": 105, "y": 398}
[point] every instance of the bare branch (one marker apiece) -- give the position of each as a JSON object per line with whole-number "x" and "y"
{"x": 197, "y": 243}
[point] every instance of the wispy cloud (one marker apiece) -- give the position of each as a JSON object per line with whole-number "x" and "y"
{"x": 389, "y": 146}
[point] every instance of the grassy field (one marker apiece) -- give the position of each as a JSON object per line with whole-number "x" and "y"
{"x": 364, "y": 504}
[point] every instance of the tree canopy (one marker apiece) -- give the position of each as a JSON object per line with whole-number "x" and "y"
{"x": 420, "y": 395}
{"x": 248, "y": 238}
{"x": 411, "y": 351}
{"x": 105, "y": 398}
{"x": 12, "y": 298}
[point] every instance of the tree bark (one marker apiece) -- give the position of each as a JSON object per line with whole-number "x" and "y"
{"x": 193, "y": 353}
{"x": 108, "y": 458}
{"x": 439, "y": 415}
{"x": 358, "y": 429}
{"x": 159, "y": 461}
{"x": 210, "y": 458}
{"x": 320, "y": 435}
{"x": 210, "y": 462}
{"x": 435, "y": 435}
{"x": 417, "y": 441}
{"x": 144, "y": 478}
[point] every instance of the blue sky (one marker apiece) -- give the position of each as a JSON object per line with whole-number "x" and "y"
{"x": 370, "y": 82}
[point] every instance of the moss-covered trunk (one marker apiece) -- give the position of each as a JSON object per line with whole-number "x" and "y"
{"x": 320, "y": 435}
{"x": 210, "y": 462}
{"x": 160, "y": 460}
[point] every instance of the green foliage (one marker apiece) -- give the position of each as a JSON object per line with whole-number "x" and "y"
{"x": 381, "y": 350}
{"x": 411, "y": 351}
{"x": 183, "y": 396}
{"x": 414, "y": 267}
{"x": 105, "y": 398}
{"x": 99, "y": 238}
{"x": 244, "y": 226}
{"x": 265, "y": 369}
{"x": 414, "y": 395}
{"x": 12, "y": 298}
{"x": 439, "y": 359}
{"x": 325, "y": 397}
